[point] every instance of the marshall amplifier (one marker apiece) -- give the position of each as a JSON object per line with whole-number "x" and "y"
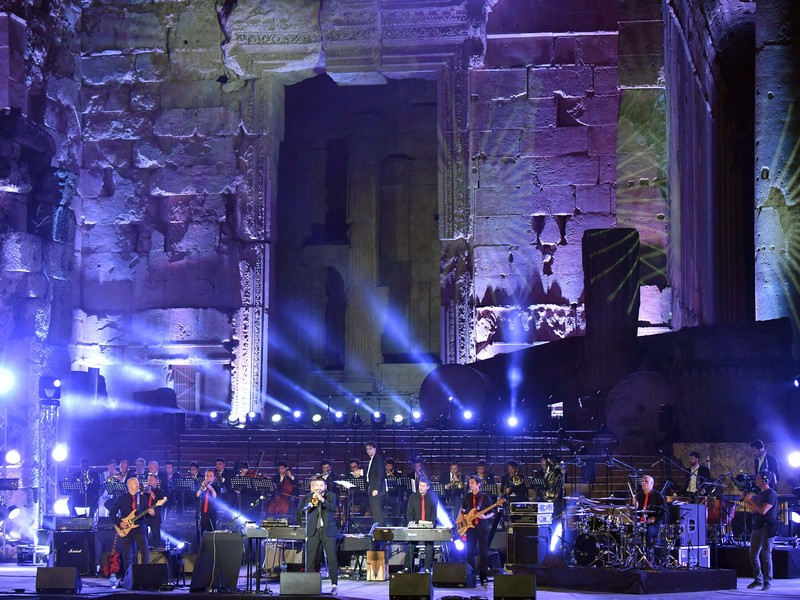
{"x": 75, "y": 549}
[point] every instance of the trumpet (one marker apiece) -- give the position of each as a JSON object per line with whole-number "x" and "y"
{"x": 456, "y": 482}
{"x": 316, "y": 499}
{"x": 516, "y": 480}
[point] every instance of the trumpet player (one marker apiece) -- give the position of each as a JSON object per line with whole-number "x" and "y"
{"x": 91, "y": 494}
{"x": 319, "y": 508}
{"x": 207, "y": 503}
{"x": 453, "y": 483}
{"x": 512, "y": 483}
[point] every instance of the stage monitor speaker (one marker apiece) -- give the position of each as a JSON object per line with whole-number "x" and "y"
{"x": 410, "y": 586}
{"x": 58, "y": 580}
{"x": 75, "y": 549}
{"x": 146, "y": 577}
{"x": 219, "y": 559}
{"x": 514, "y": 586}
{"x": 189, "y": 561}
{"x": 691, "y": 520}
{"x": 458, "y": 575}
{"x": 301, "y": 584}
{"x": 527, "y": 544}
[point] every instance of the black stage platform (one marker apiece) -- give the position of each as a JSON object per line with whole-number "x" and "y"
{"x": 785, "y": 561}
{"x": 631, "y": 581}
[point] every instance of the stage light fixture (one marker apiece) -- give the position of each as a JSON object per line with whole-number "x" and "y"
{"x": 512, "y": 421}
{"x": 180, "y": 545}
{"x": 467, "y": 415}
{"x": 316, "y": 418}
{"x": 215, "y": 417}
{"x": 356, "y": 420}
{"x": 398, "y": 419}
{"x": 795, "y": 517}
{"x": 797, "y": 381}
{"x": 13, "y": 511}
{"x": 556, "y": 537}
{"x": 793, "y": 459}
{"x": 49, "y": 387}
{"x": 459, "y": 545}
{"x": 61, "y": 507}
{"x": 378, "y": 418}
{"x": 253, "y": 418}
{"x": 416, "y": 416}
{"x": 276, "y": 418}
{"x": 297, "y": 416}
{"x": 13, "y": 458}
{"x": 233, "y": 420}
{"x": 339, "y": 417}
{"x": 60, "y": 452}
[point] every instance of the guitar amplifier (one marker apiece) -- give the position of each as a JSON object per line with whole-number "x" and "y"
{"x": 532, "y": 518}
{"x": 74, "y": 523}
{"x": 75, "y": 549}
{"x": 527, "y": 508}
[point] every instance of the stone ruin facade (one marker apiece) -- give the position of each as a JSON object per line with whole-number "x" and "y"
{"x": 145, "y": 213}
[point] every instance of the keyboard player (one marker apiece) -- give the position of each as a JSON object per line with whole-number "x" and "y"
{"x": 422, "y": 506}
{"x": 319, "y": 507}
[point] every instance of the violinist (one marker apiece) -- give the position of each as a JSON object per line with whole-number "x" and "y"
{"x": 326, "y": 472}
{"x": 281, "y": 503}
{"x": 207, "y": 504}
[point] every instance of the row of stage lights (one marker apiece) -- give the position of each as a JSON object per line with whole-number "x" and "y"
{"x": 338, "y": 418}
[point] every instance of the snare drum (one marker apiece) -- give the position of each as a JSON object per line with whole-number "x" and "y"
{"x": 670, "y": 532}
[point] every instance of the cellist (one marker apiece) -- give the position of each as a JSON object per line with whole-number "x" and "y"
{"x": 281, "y": 503}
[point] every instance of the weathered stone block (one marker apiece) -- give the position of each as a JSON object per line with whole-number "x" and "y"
{"x": 602, "y": 139}
{"x": 480, "y": 114}
{"x": 196, "y": 64}
{"x": 518, "y": 50}
{"x": 193, "y": 237}
{"x": 14, "y": 175}
{"x": 99, "y": 70}
{"x": 120, "y": 209}
{"x": 107, "y": 154}
{"x": 105, "y": 294}
{"x": 504, "y": 171}
{"x": 557, "y": 141}
{"x": 152, "y": 66}
{"x": 520, "y": 113}
{"x": 641, "y": 38}
{"x": 29, "y": 285}
{"x": 594, "y": 198}
{"x": 104, "y": 241}
{"x": 192, "y": 180}
{"x": 20, "y": 251}
{"x": 112, "y": 97}
{"x": 592, "y": 110}
{"x": 58, "y": 260}
{"x": 148, "y": 155}
{"x": 605, "y": 81}
{"x": 565, "y": 170}
{"x": 180, "y": 122}
{"x": 577, "y": 225}
{"x": 187, "y": 209}
{"x": 561, "y": 199}
{"x": 509, "y": 200}
{"x": 183, "y": 324}
{"x": 145, "y": 96}
{"x": 498, "y": 142}
{"x": 565, "y": 48}
{"x": 607, "y": 168}
{"x": 498, "y": 83}
{"x": 597, "y": 49}
{"x": 115, "y": 126}
{"x": 191, "y": 94}
{"x": 571, "y": 80}
{"x": 107, "y": 28}
{"x": 503, "y": 230}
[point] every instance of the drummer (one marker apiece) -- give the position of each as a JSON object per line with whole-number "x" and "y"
{"x": 651, "y": 507}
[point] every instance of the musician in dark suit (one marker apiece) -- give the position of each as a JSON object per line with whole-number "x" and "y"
{"x": 512, "y": 484}
{"x": 696, "y": 477}
{"x": 126, "y": 506}
{"x": 91, "y": 496}
{"x": 478, "y": 533}
{"x": 376, "y": 487}
{"x": 319, "y": 507}
{"x": 152, "y": 494}
{"x": 206, "y": 516}
{"x": 422, "y": 506}
{"x": 764, "y": 462}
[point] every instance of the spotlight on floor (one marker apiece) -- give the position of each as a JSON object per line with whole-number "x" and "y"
{"x": 215, "y": 417}
{"x": 233, "y": 420}
{"x": 416, "y": 417}
{"x": 253, "y": 418}
{"x": 339, "y": 417}
{"x": 378, "y": 418}
{"x": 13, "y": 458}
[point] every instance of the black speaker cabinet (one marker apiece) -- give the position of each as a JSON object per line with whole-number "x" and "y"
{"x": 146, "y": 577}
{"x": 410, "y": 586}
{"x": 514, "y": 586}
{"x": 219, "y": 559}
{"x": 458, "y": 575}
{"x": 301, "y": 584}
{"x": 58, "y": 580}
{"x": 527, "y": 544}
{"x": 690, "y": 520}
{"x": 75, "y": 549}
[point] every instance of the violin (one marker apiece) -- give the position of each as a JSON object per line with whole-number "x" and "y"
{"x": 253, "y": 474}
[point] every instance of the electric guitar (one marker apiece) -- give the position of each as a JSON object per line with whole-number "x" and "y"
{"x": 465, "y": 521}
{"x": 134, "y": 516}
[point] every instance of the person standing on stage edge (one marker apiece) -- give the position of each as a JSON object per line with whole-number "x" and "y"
{"x": 375, "y": 482}
{"x": 765, "y": 528}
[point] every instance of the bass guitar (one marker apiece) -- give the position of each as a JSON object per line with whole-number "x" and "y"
{"x": 464, "y": 522}
{"x": 134, "y": 516}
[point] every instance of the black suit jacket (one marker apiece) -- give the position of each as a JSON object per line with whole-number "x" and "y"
{"x": 655, "y": 503}
{"x": 703, "y": 476}
{"x": 518, "y": 493}
{"x": 123, "y": 507}
{"x": 328, "y": 510}
{"x": 771, "y": 463}
{"x": 376, "y": 475}
{"x": 414, "y": 508}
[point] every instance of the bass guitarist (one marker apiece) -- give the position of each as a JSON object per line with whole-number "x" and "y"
{"x": 478, "y": 533}
{"x": 123, "y": 513}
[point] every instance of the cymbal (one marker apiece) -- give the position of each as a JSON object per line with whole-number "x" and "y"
{"x": 646, "y": 511}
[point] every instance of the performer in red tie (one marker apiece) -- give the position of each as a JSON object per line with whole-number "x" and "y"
{"x": 479, "y": 534}
{"x": 651, "y": 507}
{"x": 207, "y": 504}
{"x": 125, "y": 507}
{"x": 422, "y": 506}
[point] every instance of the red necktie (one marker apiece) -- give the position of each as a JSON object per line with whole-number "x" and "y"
{"x": 422, "y": 498}
{"x": 646, "y": 499}
{"x": 475, "y": 506}
{"x": 150, "y": 502}
{"x": 205, "y": 503}
{"x": 134, "y": 503}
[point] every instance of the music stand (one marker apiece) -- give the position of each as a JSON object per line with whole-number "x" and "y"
{"x": 184, "y": 486}
{"x": 534, "y": 482}
{"x": 241, "y": 482}
{"x": 263, "y": 485}
{"x": 115, "y": 488}
{"x": 71, "y": 487}
{"x": 350, "y": 484}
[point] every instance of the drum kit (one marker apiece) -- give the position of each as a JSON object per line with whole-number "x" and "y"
{"x": 613, "y": 536}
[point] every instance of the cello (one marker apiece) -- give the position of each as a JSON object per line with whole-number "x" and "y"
{"x": 280, "y": 504}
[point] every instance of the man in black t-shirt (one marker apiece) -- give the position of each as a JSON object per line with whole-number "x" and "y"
{"x": 765, "y": 528}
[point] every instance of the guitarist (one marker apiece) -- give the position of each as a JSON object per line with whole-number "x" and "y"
{"x": 127, "y": 506}
{"x": 477, "y": 501}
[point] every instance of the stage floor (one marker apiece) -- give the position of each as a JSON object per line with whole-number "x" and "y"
{"x": 13, "y": 577}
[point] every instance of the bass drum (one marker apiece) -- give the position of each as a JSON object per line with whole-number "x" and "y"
{"x": 586, "y": 550}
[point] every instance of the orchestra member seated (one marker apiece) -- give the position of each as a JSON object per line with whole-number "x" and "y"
{"x": 483, "y": 473}
{"x": 512, "y": 484}
{"x": 281, "y": 504}
{"x": 422, "y": 506}
{"x": 651, "y": 508}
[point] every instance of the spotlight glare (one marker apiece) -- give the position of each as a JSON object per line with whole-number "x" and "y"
{"x": 60, "y": 453}
{"x": 795, "y": 517}
{"x": 276, "y": 418}
{"x": 378, "y": 418}
{"x": 6, "y": 381}
{"x": 398, "y": 418}
{"x": 13, "y": 512}
{"x": 297, "y": 414}
{"x": 251, "y": 415}
{"x": 556, "y": 537}
{"x": 459, "y": 545}
{"x": 467, "y": 415}
{"x": 233, "y": 420}
{"x": 416, "y": 416}
{"x": 339, "y": 417}
{"x": 13, "y": 458}
{"x": 512, "y": 421}
{"x": 797, "y": 381}
{"x": 61, "y": 507}
{"x": 794, "y": 459}
{"x": 180, "y": 545}
{"x": 316, "y": 418}
{"x": 357, "y": 401}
